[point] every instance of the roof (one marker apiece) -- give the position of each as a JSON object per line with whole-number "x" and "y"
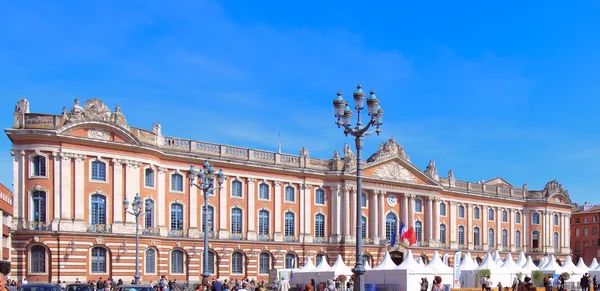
{"x": 595, "y": 208}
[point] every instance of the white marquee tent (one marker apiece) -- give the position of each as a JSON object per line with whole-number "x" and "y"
{"x": 409, "y": 273}
{"x": 552, "y": 267}
{"x": 380, "y": 273}
{"x": 338, "y": 268}
{"x": 522, "y": 259}
{"x": 594, "y": 264}
{"x": 529, "y": 265}
{"x": 568, "y": 264}
{"x": 303, "y": 274}
{"x": 581, "y": 265}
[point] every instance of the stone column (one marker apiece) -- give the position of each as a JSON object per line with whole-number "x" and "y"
{"x": 194, "y": 231}
{"x": 524, "y": 216}
{"x": 252, "y": 235}
{"x": 484, "y": 229}
{"x": 563, "y": 232}
{"x": 436, "y": 221}
{"x": 336, "y": 199}
{"x": 512, "y": 231}
{"x": 20, "y": 194}
{"x": 65, "y": 193}
{"x": 346, "y": 215}
{"x": 278, "y": 234}
{"x": 498, "y": 231}
{"x": 453, "y": 225}
{"x": 567, "y": 233}
{"x": 161, "y": 206}
{"x": 117, "y": 224}
{"x": 411, "y": 210}
{"x": 224, "y": 209}
{"x": 382, "y": 215}
{"x": 469, "y": 228}
{"x": 56, "y": 196}
{"x": 79, "y": 185}
{"x": 353, "y": 217}
{"x": 374, "y": 216}
{"x": 429, "y": 220}
{"x": 406, "y": 207}
{"x": 307, "y": 214}
{"x": 542, "y": 243}
{"x": 132, "y": 187}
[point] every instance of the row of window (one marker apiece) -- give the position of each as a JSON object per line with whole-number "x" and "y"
{"x": 585, "y": 231}
{"x": 99, "y": 256}
{"x": 586, "y": 220}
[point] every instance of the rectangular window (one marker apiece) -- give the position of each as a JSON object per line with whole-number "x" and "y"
{"x": 149, "y": 178}
{"x": 577, "y": 232}
{"x": 264, "y": 264}
{"x": 585, "y": 231}
{"x": 98, "y": 171}
{"x": 577, "y": 220}
{"x": 150, "y": 261}
{"x": 585, "y": 220}
{"x": 263, "y": 190}
{"x": 418, "y": 205}
{"x": 320, "y": 197}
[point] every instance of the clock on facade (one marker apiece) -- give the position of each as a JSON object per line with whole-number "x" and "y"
{"x": 392, "y": 200}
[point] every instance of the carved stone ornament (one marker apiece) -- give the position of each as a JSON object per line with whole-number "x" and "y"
{"x": 99, "y": 240}
{"x": 178, "y": 244}
{"x": 94, "y": 109}
{"x": 36, "y": 239}
{"x": 98, "y": 134}
{"x": 389, "y": 149}
{"x": 554, "y": 187}
{"x": 431, "y": 170}
{"x": 394, "y": 171}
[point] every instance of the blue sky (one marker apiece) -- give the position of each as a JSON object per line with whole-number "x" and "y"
{"x": 488, "y": 89}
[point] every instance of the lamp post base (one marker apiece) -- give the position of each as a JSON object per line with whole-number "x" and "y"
{"x": 136, "y": 279}
{"x": 205, "y": 276}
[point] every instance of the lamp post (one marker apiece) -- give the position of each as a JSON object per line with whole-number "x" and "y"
{"x": 343, "y": 112}
{"x": 206, "y": 183}
{"x": 137, "y": 211}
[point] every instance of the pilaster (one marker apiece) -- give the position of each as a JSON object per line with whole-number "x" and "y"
{"x": 436, "y": 221}
{"x": 354, "y": 219}
{"x": 470, "y": 226}
{"x": 162, "y": 201}
{"x": 336, "y": 199}
{"x": 118, "y": 212}
{"x": 306, "y": 215}
{"x": 525, "y": 221}
{"x": 382, "y": 214}
{"x": 79, "y": 224}
{"x": 374, "y": 216}
{"x": 66, "y": 222}
{"x": 498, "y": 232}
{"x": 56, "y": 194}
{"x": 194, "y": 192}
{"x": 484, "y": 228}
{"x": 278, "y": 234}
{"x": 19, "y": 188}
{"x": 346, "y": 215}
{"x": 512, "y": 231}
{"x": 453, "y": 225}
{"x": 429, "y": 220}
{"x": 251, "y": 209}
{"x": 223, "y": 209}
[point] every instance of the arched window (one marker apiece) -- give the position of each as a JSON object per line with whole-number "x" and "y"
{"x": 236, "y": 220}
{"x": 236, "y": 188}
{"x": 535, "y": 218}
{"x": 461, "y": 211}
{"x": 518, "y": 239}
{"x": 476, "y": 212}
{"x": 419, "y": 231}
{"x": 476, "y": 236}
{"x": 177, "y": 262}
{"x": 535, "y": 239}
{"x": 418, "y": 205}
{"x": 264, "y": 264}
{"x": 290, "y": 223}
{"x": 263, "y": 222}
{"x": 461, "y": 235}
{"x": 491, "y": 214}
{"x": 320, "y": 258}
{"x": 176, "y": 216}
{"x": 390, "y": 225}
{"x": 504, "y": 216}
{"x": 443, "y": 209}
{"x": 38, "y": 166}
{"x": 149, "y": 219}
{"x": 211, "y": 262}
{"x": 491, "y": 238}
{"x": 320, "y": 197}
{"x": 210, "y": 218}
{"x": 518, "y": 217}
{"x": 98, "y": 260}
{"x": 39, "y": 209}
{"x": 290, "y": 194}
{"x": 150, "y": 261}
{"x": 504, "y": 239}
{"x": 364, "y": 226}
{"x": 263, "y": 191}
{"x": 98, "y": 171}
{"x": 98, "y": 212}
{"x": 364, "y": 199}
{"x": 37, "y": 259}
{"x": 149, "y": 177}
{"x": 442, "y": 233}
{"x": 319, "y": 225}
{"x": 177, "y": 182}
{"x": 290, "y": 261}
{"x": 556, "y": 246}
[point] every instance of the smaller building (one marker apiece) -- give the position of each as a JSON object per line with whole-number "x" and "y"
{"x": 6, "y": 209}
{"x": 585, "y": 236}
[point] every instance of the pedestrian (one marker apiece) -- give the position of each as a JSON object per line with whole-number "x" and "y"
{"x": 437, "y": 284}
{"x": 424, "y": 284}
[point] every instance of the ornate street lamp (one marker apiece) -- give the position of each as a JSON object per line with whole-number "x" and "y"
{"x": 137, "y": 211}
{"x": 343, "y": 112}
{"x": 206, "y": 183}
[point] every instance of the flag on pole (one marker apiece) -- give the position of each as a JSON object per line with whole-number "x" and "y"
{"x": 393, "y": 240}
{"x": 410, "y": 235}
{"x": 402, "y": 228}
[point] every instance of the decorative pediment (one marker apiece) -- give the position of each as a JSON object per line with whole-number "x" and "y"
{"x": 389, "y": 149}
{"x": 499, "y": 182}
{"x": 94, "y": 109}
{"x": 552, "y": 188}
{"x": 394, "y": 171}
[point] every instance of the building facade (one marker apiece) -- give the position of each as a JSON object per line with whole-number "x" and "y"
{"x": 585, "y": 236}
{"x": 73, "y": 171}
{"x": 6, "y": 209}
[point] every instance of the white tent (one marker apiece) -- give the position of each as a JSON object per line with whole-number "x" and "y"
{"x": 595, "y": 271}
{"x": 379, "y": 274}
{"x": 522, "y": 259}
{"x": 338, "y": 268}
{"x": 581, "y": 265}
{"x": 471, "y": 279}
{"x": 437, "y": 268}
{"x": 314, "y": 273}
{"x": 512, "y": 268}
{"x": 594, "y": 264}
{"x": 568, "y": 264}
{"x": 543, "y": 262}
{"x": 529, "y": 265}
{"x": 298, "y": 276}
{"x": 497, "y": 258}
{"x": 420, "y": 261}
{"x": 408, "y": 274}
{"x": 553, "y": 267}
{"x": 467, "y": 263}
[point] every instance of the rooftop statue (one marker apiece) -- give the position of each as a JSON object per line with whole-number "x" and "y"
{"x": 94, "y": 110}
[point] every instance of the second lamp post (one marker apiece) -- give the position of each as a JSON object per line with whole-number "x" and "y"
{"x": 137, "y": 211}
{"x": 206, "y": 183}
